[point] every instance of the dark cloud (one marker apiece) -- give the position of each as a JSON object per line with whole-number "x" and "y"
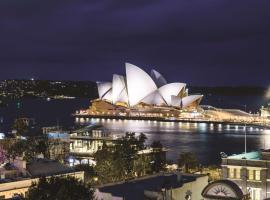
{"x": 206, "y": 42}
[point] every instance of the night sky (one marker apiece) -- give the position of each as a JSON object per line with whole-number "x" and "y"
{"x": 200, "y": 42}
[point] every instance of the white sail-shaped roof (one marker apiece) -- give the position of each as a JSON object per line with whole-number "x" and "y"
{"x": 187, "y": 101}
{"x": 103, "y": 88}
{"x": 139, "y": 84}
{"x": 119, "y": 90}
{"x": 158, "y": 78}
{"x": 108, "y": 96}
{"x": 171, "y": 89}
{"x": 176, "y": 101}
{"x": 154, "y": 99}
{"x": 138, "y": 87}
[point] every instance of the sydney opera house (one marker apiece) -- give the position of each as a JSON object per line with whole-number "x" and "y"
{"x": 141, "y": 94}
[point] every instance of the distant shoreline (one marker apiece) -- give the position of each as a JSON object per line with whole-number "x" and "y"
{"x": 19, "y": 89}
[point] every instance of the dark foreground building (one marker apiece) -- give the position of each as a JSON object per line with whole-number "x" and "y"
{"x": 17, "y": 177}
{"x": 170, "y": 186}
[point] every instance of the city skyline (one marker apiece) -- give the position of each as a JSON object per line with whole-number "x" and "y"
{"x": 205, "y": 43}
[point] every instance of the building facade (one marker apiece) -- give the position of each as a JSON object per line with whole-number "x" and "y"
{"x": 265, "y": 112}
{"x": 250, "y": 171}
{"x": 86, "y": 141}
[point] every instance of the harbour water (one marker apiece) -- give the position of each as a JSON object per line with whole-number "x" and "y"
{"x": 205, "y": 140}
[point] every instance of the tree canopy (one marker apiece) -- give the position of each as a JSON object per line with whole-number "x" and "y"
{"x": 123, "y": 160}
{"x": 20, "y": 126}
{"x": 158, "y": 160}
{"x": 59, "y": 188}
{"x": 187, "y": 161}
{"x": 29, "y": 148}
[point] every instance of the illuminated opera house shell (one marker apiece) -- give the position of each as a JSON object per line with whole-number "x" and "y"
{"x": 139, "y": 87}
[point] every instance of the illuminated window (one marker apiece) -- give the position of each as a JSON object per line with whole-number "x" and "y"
{"x": 254, "y": 174}
{"x": 238, "y": 173}
{"x": 231, "y": 172}
{"x": 235, "y": 173}
{"x": 251, "y": 174}
{"x": 257, "y": 175}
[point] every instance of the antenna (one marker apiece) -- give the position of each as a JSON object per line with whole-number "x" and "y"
{"x": 245, "y": 132}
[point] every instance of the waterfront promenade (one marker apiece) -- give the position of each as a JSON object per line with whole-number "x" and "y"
{"x": 254, "y": 121}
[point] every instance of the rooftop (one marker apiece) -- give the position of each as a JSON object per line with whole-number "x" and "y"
{"x": 152, "y": 150}
{"x": 134, "y": 189}
{"x": 254, "y": 155}
{"x": 46, "y": 167}
{"x": 89, "y": 128}
{"x": 37, "y": 168}
{"x": 262, "y": 155}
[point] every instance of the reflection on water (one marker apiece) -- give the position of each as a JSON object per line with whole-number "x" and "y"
{"x": 205, "y": 140}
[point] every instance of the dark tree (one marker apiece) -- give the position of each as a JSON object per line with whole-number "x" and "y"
{"x": 187, "y": 161}
{"x": 15, "y": 148}
{"x": 109, "y": 168}
{"x": 141, "y": 140}
{"x": 89, "y": 172}
{"x": 20, "y": 126}
{"x": 29, "y": 149}
{"x": 156, "y": 145}
{"x": 42, "y": 146}
{"x": 120, "y": 161}
{"x": 36, "y": 146}
{"x": 127, "y": 151}
{"x": 158, "y": 158}
{"x": 59, "y": 188}
{"x": 2, "y": 155}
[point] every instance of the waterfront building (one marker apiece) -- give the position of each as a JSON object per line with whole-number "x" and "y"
{"x": 170, "y": 186}
{"x": 265, "y": 111}
{"x": 229, "y": 115}
{"x": 250, "y": 171}
{"x": 18, "y": 176}
{"x": 88, "y": 140}
{"x": 139, "y": 94}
